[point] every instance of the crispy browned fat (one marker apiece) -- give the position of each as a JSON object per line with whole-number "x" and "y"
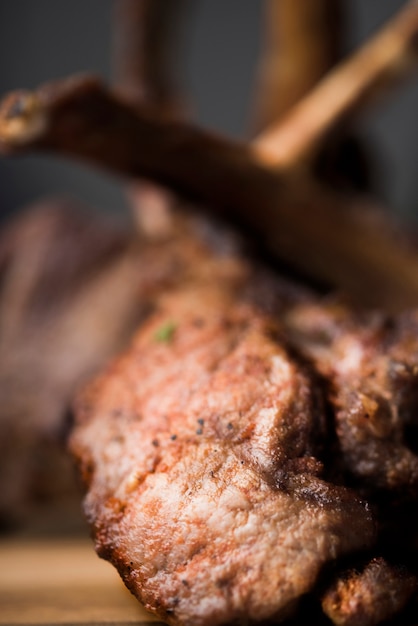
{"x": 371, "y": 363}
{"x": 368, "y": 596}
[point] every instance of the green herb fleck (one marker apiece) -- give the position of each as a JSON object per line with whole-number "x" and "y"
{"x": 165, "y": 333}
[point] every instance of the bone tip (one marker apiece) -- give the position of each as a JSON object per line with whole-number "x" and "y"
{"x": 22, "y": 120}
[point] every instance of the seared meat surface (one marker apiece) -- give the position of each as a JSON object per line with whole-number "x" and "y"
{"x": 368, "y": 596}
{"x": 210, "y": 447}
{"x": 201, "y": 449}
{"x": 73, "y": 287}
{"x": 371, "y": 364}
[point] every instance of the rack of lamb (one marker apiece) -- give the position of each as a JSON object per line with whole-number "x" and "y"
{"x": 250, "y": 454}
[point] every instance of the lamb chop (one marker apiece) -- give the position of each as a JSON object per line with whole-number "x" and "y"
{"x": 224, "y": 456}
{"x": 188, "y": 391}
{"x": 369, "y": 361}
{"x": 371, "y": 365}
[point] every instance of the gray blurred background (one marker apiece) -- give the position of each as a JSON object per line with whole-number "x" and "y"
{"x": 48, "y": 39}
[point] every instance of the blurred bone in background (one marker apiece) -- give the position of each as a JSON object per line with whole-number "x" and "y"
{"x": 49, "y": 39}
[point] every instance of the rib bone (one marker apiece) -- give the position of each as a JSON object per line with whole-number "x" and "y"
{"x": 297, "y": 223}
{"x": 301, "y": 44}
{"x": 383, "y": 60}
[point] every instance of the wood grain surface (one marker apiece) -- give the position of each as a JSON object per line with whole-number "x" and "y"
{"x": 63, "y": 582}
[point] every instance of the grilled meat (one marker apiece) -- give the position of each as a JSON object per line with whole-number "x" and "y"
{"x": 371, "y": 364}
{"x": 207, "y": 448}
{"x": 73, "y": 286}
{"x": 200, "y": 449}
{"x": 368, "y": 596}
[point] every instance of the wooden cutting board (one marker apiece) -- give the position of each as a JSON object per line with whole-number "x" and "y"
{"x": 63, "y": 582}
